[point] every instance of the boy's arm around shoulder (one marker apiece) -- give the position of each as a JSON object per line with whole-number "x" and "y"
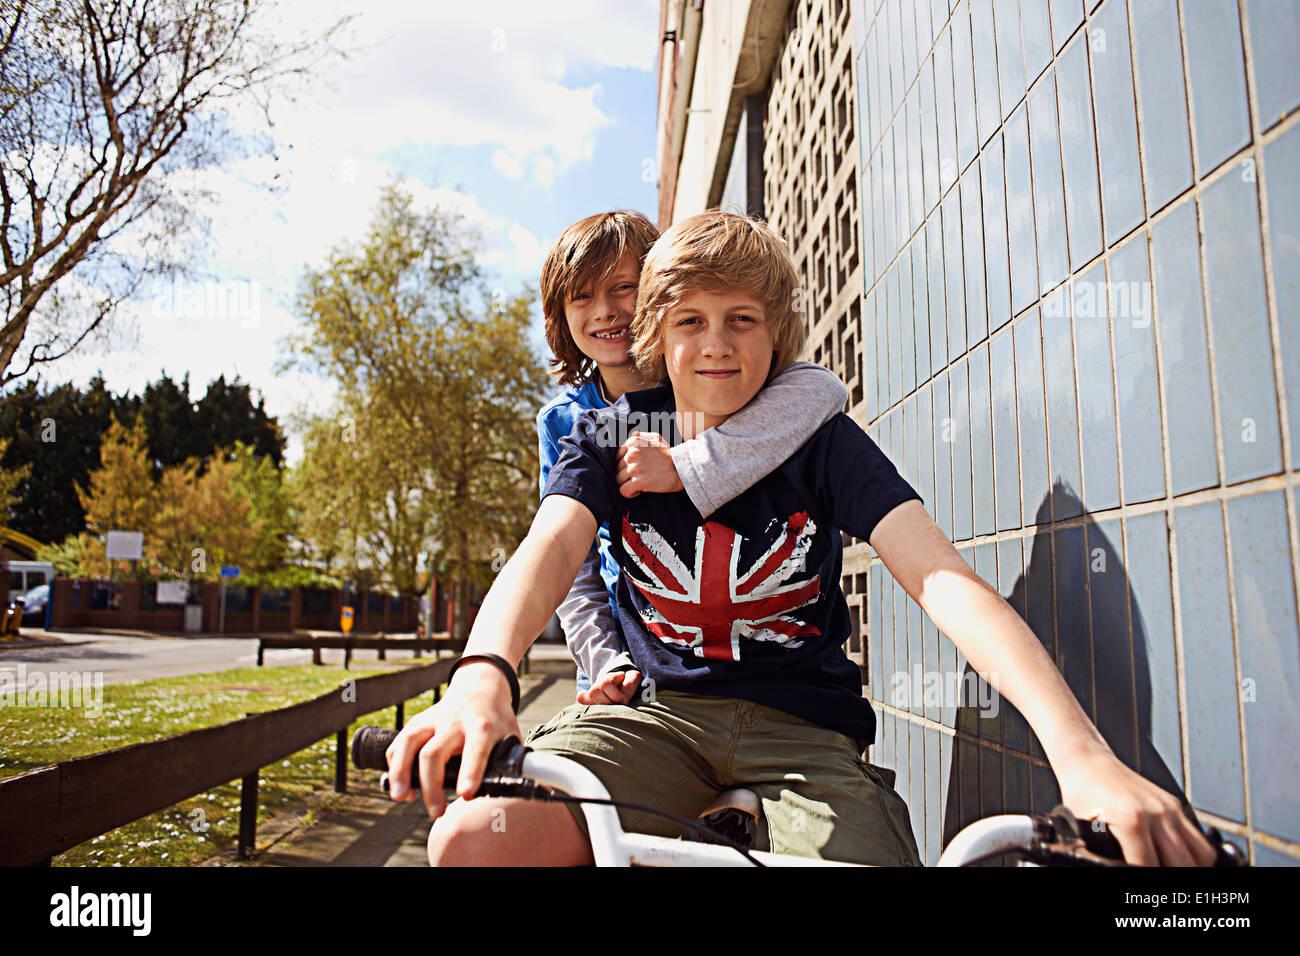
{"x": 724, "y": 461}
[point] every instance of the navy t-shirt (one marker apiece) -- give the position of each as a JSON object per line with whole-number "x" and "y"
{"x": 748, "y": 603}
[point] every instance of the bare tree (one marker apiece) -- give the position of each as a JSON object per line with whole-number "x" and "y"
{"x": 107, "y": 109}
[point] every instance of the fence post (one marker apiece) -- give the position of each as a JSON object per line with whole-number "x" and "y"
{"x": 401, "y": 714}
{"x": 260, "y": 648}
{"x": 341, "y": 761}
{"x": 248, "y": 816}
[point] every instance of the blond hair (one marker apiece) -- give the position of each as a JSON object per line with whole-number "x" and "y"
{"x": 585, "y": 253}
{"x": 716, "y": 251}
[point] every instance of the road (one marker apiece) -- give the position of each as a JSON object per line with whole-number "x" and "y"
{"x": 121, "y": 658}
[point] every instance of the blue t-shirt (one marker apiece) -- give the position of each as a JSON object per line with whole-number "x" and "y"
{"x": 555, "y": 421}
{"x": 748, "y": 603}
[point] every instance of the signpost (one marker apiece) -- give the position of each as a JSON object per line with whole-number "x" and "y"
{"x": 227, "y": 571}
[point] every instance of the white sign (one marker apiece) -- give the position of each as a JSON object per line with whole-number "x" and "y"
{"x": 124, "y": 544}
{"x": 172, "y": 592}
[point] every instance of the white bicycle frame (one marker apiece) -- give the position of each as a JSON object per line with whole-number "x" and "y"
{"x": 611, "y": 846}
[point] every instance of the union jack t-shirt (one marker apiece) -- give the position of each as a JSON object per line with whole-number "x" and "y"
{"x": 747, "y": 603}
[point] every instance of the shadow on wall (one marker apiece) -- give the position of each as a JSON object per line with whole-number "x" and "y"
{"x": 1110, "y": 680}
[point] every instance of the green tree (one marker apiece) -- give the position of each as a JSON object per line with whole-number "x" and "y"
{"x": 405, "y": 323}
{"x": 121, "y": 496}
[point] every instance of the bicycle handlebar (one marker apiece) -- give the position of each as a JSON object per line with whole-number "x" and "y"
{"x": 369, "y": 752}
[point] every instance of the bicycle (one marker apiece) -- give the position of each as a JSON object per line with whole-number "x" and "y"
{"x": 724, "y": 832}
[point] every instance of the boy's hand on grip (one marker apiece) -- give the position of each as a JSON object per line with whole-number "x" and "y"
{"x": 470, "y": 719}
{"x": 645, "y": 463}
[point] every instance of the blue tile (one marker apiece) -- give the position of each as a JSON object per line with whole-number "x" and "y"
{"x": 944, "y": 437}
{"x": 899, "y": 203}
{"x": 920, "y": 309}
{"x": 889, "y": 159}
{"x": 1073, "y": 647}
{"x": 869, "y": 358}
{"x": 1266, "y": 856}
{"x": 1282, "y": 160}
{"x": 1045, "y": 791}
{"x": 1213, "y": 736}
{"x": 878, "y": 215}
{"x": 925, "y": 447}
{"x": 1135, "y": 372}
{"x": 1167, "y": 146}
{"x": 874, "y": 654}
{"x": 945, "y": 111}
{"x": 961, "y": 466}
{"x": 1262, "y": 568}
{"x": 1096, "y": 395}
{"x": 934, "y": 796}
{"x": 909, "y": 441}
{"x": 938, "y": 301}
{"x": 1062, "y": 411}
{"x": 1039, "y": 614}
{"x": 1011, "y": 570}
{"x": 881, "y": 68}
{"x": 988, "y": 111}
{"x": 1011, "y": 58}
{"x": 902, "y": 753}
{"x": 1036, "y": 30}
{"x": 1243, "y": 353}
{"x": 981, "y": 442}
{"x": 899, "y": 323}
{"x": 990, "y": 782}
{"x": 953, "y": 271}
{"x": 1121, "y": 180}
{"x": 1020, "y": 214}
{"x": 964, "y": 83}
{"x": 1002, "y": 372}
{"x": 1274, "y": 39}
{"x": 914, "y": 641}
{"x": 861, "y": 18}
{"x": 929, "y": 137}
{"x": 924, "y": 33}
{"x": 866, "y": 117}
{"x": 1112, "y": 651}
{"x": 1066, "y": 15}
{"x": 907, "y": 342}
{"x": 1174, "y": 246}
{"x": 1079, "y": 155}
{"x": 1219, "y": 106}
{"x": 887, "y": 741}
{"x": 1155, "y": 665}
{"x": 901, "y": 661}
{"x": 1049, "y": 193}
{"x": 997, "y": 266}
{"x": 896, "y": 78}
{"x": 868, "y": 227}
{"x": 916, "y": 799}
{"x": 1033, "y": 421}
{"x": 908, "y": 23}
{"x": 882, "y": 349}
{"x": 1018, "y": 792}
{"x": 931, "y": 664}
{"x": 915, "y": 161}
{"x": 977, "y": 319}
{"x": 885, "y": 639}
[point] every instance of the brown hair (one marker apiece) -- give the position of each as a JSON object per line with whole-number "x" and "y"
{"x": 586, "y": 252}
{"x": 714, "y": 251}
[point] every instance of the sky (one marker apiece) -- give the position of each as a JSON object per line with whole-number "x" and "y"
{"x": 525, "y": 116}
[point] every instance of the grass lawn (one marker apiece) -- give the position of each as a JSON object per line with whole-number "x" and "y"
{"x": 146, "y": 710}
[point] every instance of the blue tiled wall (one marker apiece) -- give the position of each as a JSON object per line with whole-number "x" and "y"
{"x": 1081, "y": 238}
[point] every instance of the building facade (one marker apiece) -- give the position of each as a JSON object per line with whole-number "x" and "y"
{"x": 1052, "y": 248}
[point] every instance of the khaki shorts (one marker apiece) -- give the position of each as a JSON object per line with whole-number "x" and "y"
{"x": 820, "y": 799}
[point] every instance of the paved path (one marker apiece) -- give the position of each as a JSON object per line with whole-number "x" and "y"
{"x": 363, "y": 827}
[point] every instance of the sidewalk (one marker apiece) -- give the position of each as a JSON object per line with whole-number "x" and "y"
{"x": 363, "y": 827}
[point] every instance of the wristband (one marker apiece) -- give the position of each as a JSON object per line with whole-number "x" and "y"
{"x": 502, "y": 665}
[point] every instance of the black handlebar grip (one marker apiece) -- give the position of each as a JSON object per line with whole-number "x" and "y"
{"x": 369, "y": 745}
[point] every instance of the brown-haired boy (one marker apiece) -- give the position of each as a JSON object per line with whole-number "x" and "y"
{"x": 739, "y": 620}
